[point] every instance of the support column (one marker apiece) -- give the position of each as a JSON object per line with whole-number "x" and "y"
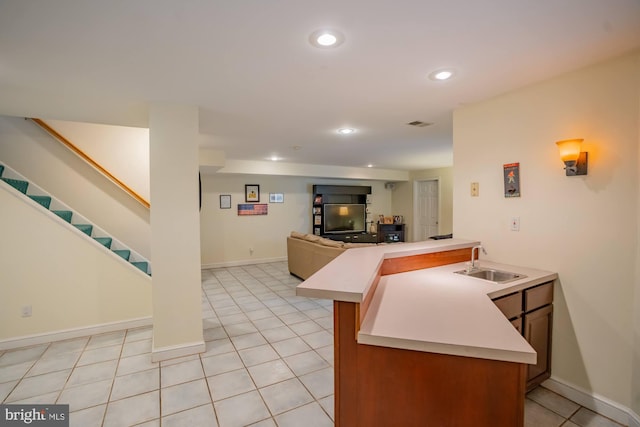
{"x": 175, "y": 231}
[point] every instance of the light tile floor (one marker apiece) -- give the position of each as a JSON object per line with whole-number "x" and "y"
{"x": 268, "y": 362}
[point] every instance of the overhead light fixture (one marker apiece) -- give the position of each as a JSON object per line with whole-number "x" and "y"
{"x": 442, "y": 74}
{"x": 369, "y": 165}
{"x": 575, "y": 161}
{"x": 326, "y": 38}
{"x": 346, "y": 131}
{"x": 275, "y": 158}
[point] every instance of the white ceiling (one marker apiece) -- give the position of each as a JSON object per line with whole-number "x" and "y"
{"x": 263, "y": 89}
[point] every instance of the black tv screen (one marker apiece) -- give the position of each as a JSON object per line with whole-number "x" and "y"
{"x": 344, "y": 218}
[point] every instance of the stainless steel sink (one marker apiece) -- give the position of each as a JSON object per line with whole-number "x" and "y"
{"x": 496, "y": 276}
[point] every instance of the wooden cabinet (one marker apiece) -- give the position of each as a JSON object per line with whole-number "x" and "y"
{"x": 537, "y": 331}
{"x": 385, "y": 386}
{"x": 531, "y": 313}
{"x": 349, "y": 203}
{"x": 390, "y": 233}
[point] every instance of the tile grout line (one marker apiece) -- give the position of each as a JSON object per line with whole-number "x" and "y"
{"x": 298, "y": 378}
{"x": 244, "y": 285}
{"x": 257, "y": 389}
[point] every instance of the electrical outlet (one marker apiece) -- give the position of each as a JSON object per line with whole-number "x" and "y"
{"x": 475, "y": 189}
{"x": 26, "y": 311}
{"x": 250, "y": 251}
{"x": 515, "y": 223}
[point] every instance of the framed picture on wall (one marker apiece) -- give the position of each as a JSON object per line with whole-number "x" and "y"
{"x": 251, "y": 193}
{"x": 225, "y": 201}
{"x": 276, "y": 198}
{"x": 511, "y": 179}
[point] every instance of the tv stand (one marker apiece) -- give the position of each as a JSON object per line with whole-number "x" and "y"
{"x": 391, "y": 233}
{"x": 354, "y": 237}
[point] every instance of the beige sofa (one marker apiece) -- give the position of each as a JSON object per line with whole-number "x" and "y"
{"x": 307, "y": 253}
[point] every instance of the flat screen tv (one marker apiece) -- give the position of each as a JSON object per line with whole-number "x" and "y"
{"x": 344, "y": 218}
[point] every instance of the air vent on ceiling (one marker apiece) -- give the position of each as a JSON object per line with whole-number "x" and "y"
{"x": 420, "y": 124}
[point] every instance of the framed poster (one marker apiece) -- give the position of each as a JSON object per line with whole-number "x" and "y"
{"x": 225, "y": 201}
{"x": 251, "y": 193}
{"x": 276, "y": 198}
{"x": 512, "y": 180}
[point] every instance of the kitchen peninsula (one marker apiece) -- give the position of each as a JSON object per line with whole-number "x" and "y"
{"x": 417, "y": 344}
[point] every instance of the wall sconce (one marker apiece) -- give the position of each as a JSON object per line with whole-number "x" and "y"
{"x": 575, "y": 161}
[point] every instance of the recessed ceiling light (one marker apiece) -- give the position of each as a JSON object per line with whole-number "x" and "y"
{"x": 275, "y": 158}
{"x": 369, "y": 165}
{"x": 444, "y": 74}
{"x": 346, "y": 131}
{"x": 326, "y": 38}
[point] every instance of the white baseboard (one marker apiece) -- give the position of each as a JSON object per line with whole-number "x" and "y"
{"x": 595, "y": 402}
{"x": 171, "y": 352}
{"x": 66, "y": 334}
{"x": 242, "y": 262}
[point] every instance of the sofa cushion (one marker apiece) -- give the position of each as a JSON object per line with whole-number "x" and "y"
{"x": 297, "y": 235}
{"x": 311, "y": 238}
{"x": 330, "y": 243}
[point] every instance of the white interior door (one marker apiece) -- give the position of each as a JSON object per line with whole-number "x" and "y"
{"x": 426, "y": 215}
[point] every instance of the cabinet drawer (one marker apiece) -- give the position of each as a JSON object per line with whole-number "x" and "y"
{"x": 510, "y": 306}
{"x": 538, "y": 297}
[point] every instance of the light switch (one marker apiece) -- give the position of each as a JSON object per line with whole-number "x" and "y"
{"x": 475, "y": 189}
{"x": 515, "y": 223}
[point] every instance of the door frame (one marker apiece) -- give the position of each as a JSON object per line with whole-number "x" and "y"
{"x": 417, "y": 182}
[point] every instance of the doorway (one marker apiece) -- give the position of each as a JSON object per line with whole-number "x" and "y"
{"x": 426, "y": 196}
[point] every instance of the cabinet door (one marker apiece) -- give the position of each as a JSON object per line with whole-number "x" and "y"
{"x": 537, "y": 331}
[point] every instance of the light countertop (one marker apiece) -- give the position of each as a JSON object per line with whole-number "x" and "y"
{"x": 349, "y": 276}
{"x": 434, "y": 309}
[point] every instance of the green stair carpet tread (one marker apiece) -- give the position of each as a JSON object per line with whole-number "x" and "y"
{"x": 142, "y": 265}
{"x": 105, "y": 241}
{"x": 1, "y": 170}
{"x": 18, "y": 184}
{"x": 124, "y": 253}
{"x": 45, "y": 201}
{"x": 85, "y": 228}
{"x": 66, "y": 215}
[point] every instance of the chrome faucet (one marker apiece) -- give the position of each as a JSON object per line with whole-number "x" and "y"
{"x": 472, "y": 265}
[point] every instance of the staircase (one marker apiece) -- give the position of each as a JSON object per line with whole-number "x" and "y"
{"x": 34, "y": 194}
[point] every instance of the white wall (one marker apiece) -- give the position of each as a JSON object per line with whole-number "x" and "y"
{"x": 123, "y": 151}
{"x": 175, "y": 237}
{"x": 55, "y": 269}
{"x": 46, "y": 162}
{"x": 227, "y": 238}
{"x": 635, "y": 378}
{"x": 584, "y": 228}
{"x": 404, "y": 194}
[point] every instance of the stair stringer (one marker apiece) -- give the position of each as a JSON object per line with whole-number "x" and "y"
{"x": 57, "y": 205}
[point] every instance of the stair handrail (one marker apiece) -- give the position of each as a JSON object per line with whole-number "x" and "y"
{"x": 89, "y": 160}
